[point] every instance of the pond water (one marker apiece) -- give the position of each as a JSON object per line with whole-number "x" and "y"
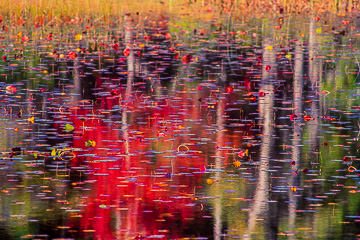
{"x": 174, "y": 129}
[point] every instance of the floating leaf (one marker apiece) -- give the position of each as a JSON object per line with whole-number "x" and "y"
{"x": 126, "y": 52}
{"x": 53, "y": 152}
{"x": 11, "y": 89}
{"x": 69, "y": 127}
{"x": 78, "y": 37}
{"x": 31, "y": 119}
{"x": 237, "y": 163}
{"x": 90, "y": 143}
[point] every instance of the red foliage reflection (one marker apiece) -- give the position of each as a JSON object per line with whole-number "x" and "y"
{"x": 142, "y": 183}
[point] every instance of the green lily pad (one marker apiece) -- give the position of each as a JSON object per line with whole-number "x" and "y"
{"x": 69, "y": 127}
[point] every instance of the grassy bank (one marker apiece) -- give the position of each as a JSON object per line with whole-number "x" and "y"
{"x": 44, "y": 11}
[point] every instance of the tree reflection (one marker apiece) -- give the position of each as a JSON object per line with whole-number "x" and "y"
{"x": 260, "y": 204}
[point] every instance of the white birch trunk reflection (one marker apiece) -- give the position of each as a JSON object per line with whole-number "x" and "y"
{"x": 315, "y": 69}
{"x": 296, "y": 149}
{"x": 259, "y": 205}
{"x": 76, "y": 93}
{"x": 218, "y": 167}
{"x": 129, "y": 86}
{"x": 124, "y": 119}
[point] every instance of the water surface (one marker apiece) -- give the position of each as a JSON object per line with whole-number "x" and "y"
{"x": 173, "y": 129}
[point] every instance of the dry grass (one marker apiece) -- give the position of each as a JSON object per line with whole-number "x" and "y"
{"x": 43, "y": 11}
